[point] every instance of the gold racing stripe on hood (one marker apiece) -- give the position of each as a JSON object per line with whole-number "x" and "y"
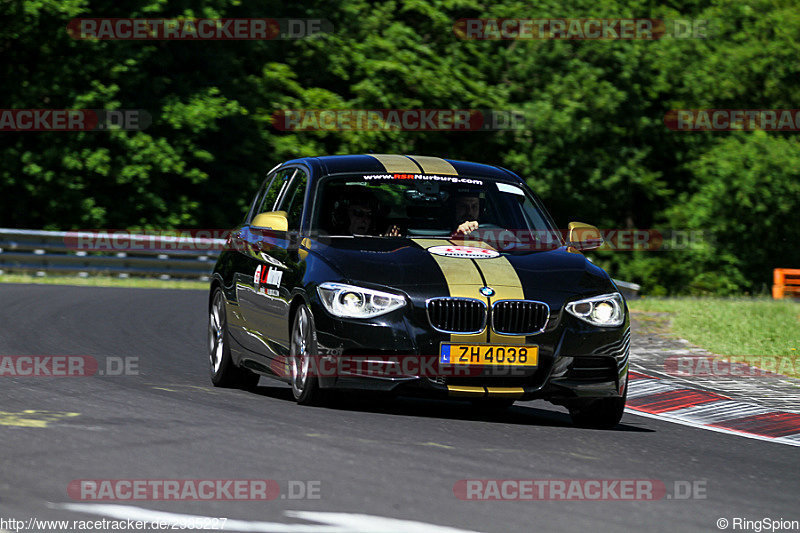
{"x": 397, "y": 163}
{"x": 434, "y": 165}
{"x": 463, "y": 281}
{"x": 500, "y": 275}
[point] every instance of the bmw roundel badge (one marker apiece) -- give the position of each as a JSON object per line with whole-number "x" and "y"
{"x": 487, "y": 291}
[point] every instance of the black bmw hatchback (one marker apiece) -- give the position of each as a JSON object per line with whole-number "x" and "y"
{"x": 417, "y": 275}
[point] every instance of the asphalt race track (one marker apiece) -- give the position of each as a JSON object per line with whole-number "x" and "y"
{"x": 387, "y": 459}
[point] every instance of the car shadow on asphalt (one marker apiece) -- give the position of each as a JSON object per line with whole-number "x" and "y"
{"x": 521, "y": 413}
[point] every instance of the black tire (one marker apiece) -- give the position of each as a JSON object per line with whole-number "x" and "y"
{"x": 223, "y": 372}
{"x": 493, "y": 404}
{"x": 302, "y": 349}
{"x": 603, "y": 413}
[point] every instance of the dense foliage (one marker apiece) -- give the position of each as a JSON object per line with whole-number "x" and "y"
{"x": 597, "y": 149}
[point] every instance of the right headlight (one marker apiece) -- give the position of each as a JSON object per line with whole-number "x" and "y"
{"x": 350, "y": 301}
{"x": 603, "y": 310}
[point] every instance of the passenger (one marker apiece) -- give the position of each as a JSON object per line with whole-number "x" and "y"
{"x": 361, "y": 217}
{"x": 362, "y": 209}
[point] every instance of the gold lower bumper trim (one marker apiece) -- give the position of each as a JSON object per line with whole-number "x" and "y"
{"x": 505, "y": 392}
{"x": 479, "y": 392}
{"x": 465, "y": 390}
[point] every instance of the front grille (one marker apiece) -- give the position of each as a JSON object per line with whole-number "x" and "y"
{"x": 519, "y": 317}
{"x": 457, "y": 315}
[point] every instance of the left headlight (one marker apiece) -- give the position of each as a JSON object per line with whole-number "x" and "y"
{"x": 603, "y": 310}
{"x": 349, "y": 301}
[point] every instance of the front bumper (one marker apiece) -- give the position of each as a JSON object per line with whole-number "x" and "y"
{"x": 399, "y": 352}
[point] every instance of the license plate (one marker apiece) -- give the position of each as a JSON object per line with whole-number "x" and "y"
{"x": 487, "y": 354}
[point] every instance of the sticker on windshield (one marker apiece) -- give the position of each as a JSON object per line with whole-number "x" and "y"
{"x": 464, "y": 252}
{"x": 424, "y": 177}
{"x": 513, "y": 189}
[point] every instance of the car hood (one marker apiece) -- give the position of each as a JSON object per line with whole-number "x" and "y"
{"x": 408, "y": 265}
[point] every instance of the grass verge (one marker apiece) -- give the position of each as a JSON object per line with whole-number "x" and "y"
{"x": 761, "y": 332}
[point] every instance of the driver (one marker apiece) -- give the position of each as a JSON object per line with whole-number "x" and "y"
{"x": 466, "y": 210}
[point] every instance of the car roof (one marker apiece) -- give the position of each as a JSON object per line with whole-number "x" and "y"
{"x": 392, "y": 163}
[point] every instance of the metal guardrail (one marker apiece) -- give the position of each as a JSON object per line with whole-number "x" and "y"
{"x": 59, "y": 252}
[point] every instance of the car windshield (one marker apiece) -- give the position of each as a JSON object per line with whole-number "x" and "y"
{"x": 417, "y": 205}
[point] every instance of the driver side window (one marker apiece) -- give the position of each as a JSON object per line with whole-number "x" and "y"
{"x": 256, "y": 203}
{"x": 278, "y": 185}
{"x": 293, "y": 199}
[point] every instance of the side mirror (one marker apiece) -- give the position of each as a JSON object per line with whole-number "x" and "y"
{"x": 274, "y": 220}
{"x": 584, "y": 236}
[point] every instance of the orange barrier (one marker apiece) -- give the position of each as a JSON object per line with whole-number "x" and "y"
{"x": 785, "y": 281}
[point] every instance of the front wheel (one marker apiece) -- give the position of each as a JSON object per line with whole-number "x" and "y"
{"x": 303, "y": 349}
{"x": 221, "y": 368}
